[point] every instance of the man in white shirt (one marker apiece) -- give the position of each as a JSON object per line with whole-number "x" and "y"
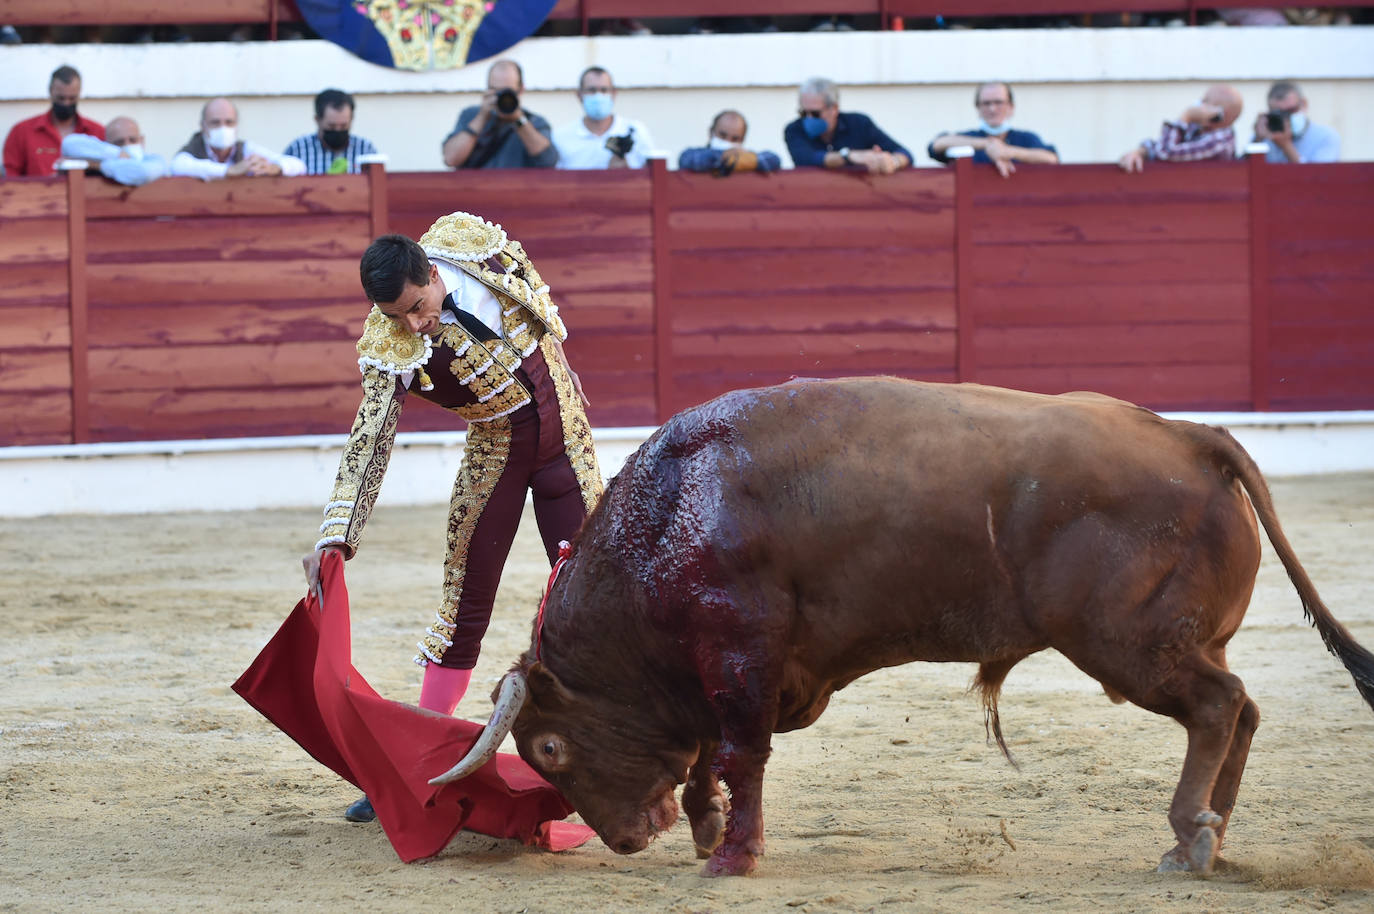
{"x": 217, "y": 152}
{"x": 121, "y": 156}
{"x": 601, "y": 138}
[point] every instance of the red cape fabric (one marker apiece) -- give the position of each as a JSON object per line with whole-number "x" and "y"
{"x": 305, "y": 683}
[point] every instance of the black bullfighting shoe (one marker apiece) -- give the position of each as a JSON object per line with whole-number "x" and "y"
{"x": 360, "y": 811}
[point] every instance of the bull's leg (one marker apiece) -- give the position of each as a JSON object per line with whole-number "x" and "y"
{"x": 1207, "y": 701}
{"x": 705, "y": 804}
{"x": 1228, "y": 781}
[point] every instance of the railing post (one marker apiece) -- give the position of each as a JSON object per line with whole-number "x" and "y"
{"x": 76, "y": 303}
{"x": 376, "y": 195}
{"x": 663, "y": 290}
{"x": 1260, "y": 316}
{"x": 966, "y": 357}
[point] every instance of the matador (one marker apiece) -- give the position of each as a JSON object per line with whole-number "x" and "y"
{"x": 464, "y": 320}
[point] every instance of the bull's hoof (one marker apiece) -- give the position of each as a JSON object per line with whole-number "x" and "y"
{"x": 1199, "y": 857}
{"x": 736, "y": 863}
{"x": 708, "y": 831}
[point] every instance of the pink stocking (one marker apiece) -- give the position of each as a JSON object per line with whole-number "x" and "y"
{"x": 443, "y": 688}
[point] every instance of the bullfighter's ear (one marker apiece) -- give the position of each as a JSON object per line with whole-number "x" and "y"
{"x": 547, "y": 691}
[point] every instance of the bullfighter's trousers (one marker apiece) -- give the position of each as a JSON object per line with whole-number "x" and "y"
{"x": 504, "y": 458}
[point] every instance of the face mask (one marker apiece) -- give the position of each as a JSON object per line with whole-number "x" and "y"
{"x": 598, "y": 105}
{"x": 134, "y": 151}
{"x": 994, "y": 131}
{"x": 63, "y": 112}
{"x": 815, "y": 127}
{"x": 336, "y": 139}
{"x": 721, "y": 144}
{"x": 221, "y": 137}
{"x": 1298, "y": 121}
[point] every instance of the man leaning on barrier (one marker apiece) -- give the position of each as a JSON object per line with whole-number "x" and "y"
{"x": 823, "y": 136}
{"x": 724, "y": 152}
{"x": 994, "y": 140}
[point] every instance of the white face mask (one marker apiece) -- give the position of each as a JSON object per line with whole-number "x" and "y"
{"x": 722, "y": 144}
{"x": 221, "y": 137}
{"x": 134, "y": 151}
{"x": 1298, "y": 121}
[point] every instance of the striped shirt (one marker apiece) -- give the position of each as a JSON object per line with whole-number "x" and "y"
{"x": 317, "y": 159}
{"x": 1190, "y": 143}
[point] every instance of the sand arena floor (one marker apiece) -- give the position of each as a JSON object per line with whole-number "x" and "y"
{"x": 133, "y": 779}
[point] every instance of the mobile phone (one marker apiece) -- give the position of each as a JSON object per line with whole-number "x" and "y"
{"x": 1275, "y": 121}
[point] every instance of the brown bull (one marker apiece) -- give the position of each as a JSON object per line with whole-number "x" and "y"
{"x": 765, "y": 549}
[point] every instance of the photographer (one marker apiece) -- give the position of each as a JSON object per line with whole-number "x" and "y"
{"x": 1203, "y": 131}
{"x": 602, "y": 138}
{"x": 500, "y": 133}
{"x": 1290, "y": 135}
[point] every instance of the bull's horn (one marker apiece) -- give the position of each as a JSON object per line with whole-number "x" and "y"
{"x": 509, "y": 701}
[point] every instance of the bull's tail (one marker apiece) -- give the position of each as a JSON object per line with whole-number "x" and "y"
{"x": 1238, "y": 464}
{"x": 988, "y": 682}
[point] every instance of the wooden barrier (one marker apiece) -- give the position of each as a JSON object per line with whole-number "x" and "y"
{"x": 186, "y": 309}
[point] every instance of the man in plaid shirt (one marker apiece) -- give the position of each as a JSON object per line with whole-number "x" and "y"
{"x": 1202, "y": 131}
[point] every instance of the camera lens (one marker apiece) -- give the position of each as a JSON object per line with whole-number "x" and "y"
{"x": 507, "y": 101}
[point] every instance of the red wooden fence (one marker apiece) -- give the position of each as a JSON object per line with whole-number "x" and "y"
{"x": 185, "y": 309}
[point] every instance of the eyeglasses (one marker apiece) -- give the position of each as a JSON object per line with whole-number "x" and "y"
{"x": 819, "y": 112}
{"x": 993, "y": 103}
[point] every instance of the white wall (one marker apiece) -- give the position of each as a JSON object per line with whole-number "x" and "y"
{"x": 1092, "y": 92}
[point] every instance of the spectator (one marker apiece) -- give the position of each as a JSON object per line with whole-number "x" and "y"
{"x": 500, "y": 133}
{"x": 34, "y": 145}
{"x": 823, "y": 136}
{"x": 724, "y": 151}
{"x": 1298, "y": 139}
{"x": 994, "y": 139}
{"x": 333, "y": 148}
{"x": 602, "y": 138}
{"x": 217, "y": 152}
{"x": 1202, "y": 131}
{"x": 121, "y": 156}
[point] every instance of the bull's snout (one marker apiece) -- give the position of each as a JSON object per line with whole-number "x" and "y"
{"x": 630, "y": 845}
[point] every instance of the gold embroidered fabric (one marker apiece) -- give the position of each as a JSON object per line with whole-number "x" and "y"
{"x": 577, "y": 431}
{"x": 364, "y": 461}
{"x": 488, "y": 370}
{"x": 484, "y": 460}
{"x": 426, "y": 34}
{"x": 391, "y": 348}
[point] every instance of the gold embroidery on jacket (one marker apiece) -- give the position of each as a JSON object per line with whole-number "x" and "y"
{"x": 484, "y": 460}
{"x": 488, "y": 372}
{"x": 364, "y": 459}
{"x": 577, "y": 431}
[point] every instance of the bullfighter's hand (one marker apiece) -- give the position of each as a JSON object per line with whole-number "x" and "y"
{"x": 311, "y": 563}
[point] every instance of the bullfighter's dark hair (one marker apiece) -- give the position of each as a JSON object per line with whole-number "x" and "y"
{"x": 333, "y": 98}
{"x": 388, "y": 263}
{"x": 64, "y": 74}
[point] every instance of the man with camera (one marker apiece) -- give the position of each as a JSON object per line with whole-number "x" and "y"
{"x": 601, "y": 138}
{"x": 500, "y": 133}
{"x": 1290, "y": 135}
{"x": 1203, "y": 131}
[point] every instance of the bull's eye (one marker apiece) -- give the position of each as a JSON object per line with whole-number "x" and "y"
{"x": 549, "y": 748}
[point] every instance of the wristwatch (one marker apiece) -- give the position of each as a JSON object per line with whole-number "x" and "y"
{"x": 524, "y": 119}
{"x": 844, "y": 154}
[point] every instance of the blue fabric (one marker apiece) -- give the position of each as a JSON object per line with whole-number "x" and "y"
{"x": 852, "y": 131}
{"x": 340, "y": 22}
{"x": 704, "y": 158}
{"x": 1023, "y": 138}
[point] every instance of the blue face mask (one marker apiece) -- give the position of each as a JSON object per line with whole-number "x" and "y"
{"x": 994, "y": 131}
{"x": 598, "y": 105}
{"x": 815, "y": 127}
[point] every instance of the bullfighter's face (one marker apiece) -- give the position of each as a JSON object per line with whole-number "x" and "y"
{"x": 417, "y": 307}
{"x": 620, "y": 778}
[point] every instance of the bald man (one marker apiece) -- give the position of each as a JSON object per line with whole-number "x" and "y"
{"x": 217, "y": 152}
{"x": 121, "y": 156}
{"x": 1203, "y": 131}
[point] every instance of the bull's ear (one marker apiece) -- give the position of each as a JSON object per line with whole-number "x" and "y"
{"x": 547, "y": 692}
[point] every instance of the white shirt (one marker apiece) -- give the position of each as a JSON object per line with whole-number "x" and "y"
{"x": 183, "y": 163}
{"x": 578, "y": 147}
{"x": 470, "y": 295}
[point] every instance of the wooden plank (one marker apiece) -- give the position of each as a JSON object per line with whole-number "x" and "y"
{"x": 35, "y": 418}
{"x": 78, "y": 303}
{"x": 376, "y": 199}
{"x": 1300, "y": 218}
{"x": 1260, "y": 312}
{"x": 615, "y": 9}
{"x": 1306, "y": 299}
{"x": 924, "y": 190}
{"x": 596, "y": 310}
{"x": 35, "y": 370}
{"x": 185, "y": 368}
{"x": 1349, "y": 343}
{"x": 152, "y": 415}
{"x": 609, "y": 270}
{"x": 693, "y": 389}
{"x": 33, "y": 284}
{"x": 37, "y": 326}
{"x": 1078, "y": 223}
{"x": 848, "y": 270}
{"x": 1353, "y": 259}
{"x": 1355, "y": 180}
{"x": 33, "y": 240}
{"x": 1320, "y": 386}
{"x": 807, "y": 352}
{"x": 663, "y": 293}
{"x": 1070, "y": 265}
{"x": 922, "y": 309}
{"x": 278, "y": 196}
{"x": 197, "y": 283}
{"x": 1113, "y": 344}
{"x": 33, "y": 198}
{"x": 1195, "y": 182}
{"x": 292, "y": 237}
{"x": 140, "y": 12}
{"x": 502, "y": 195}
{"x": 800, "y": 228}
{"x": 1205, "y": 386}
{"x": 966, "y": 352}
{"x": 1107, "y": 302}
{"x": 245, "y": 321}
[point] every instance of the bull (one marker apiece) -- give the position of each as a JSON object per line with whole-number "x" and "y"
{"x": 764, "y": 550}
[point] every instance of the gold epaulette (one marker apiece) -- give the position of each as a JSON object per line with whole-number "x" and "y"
{"x": 463, "y": 237}
{"x": 388, "y": 346}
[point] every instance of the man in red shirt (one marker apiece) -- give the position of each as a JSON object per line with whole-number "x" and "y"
{"x": 35, "y": 145}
